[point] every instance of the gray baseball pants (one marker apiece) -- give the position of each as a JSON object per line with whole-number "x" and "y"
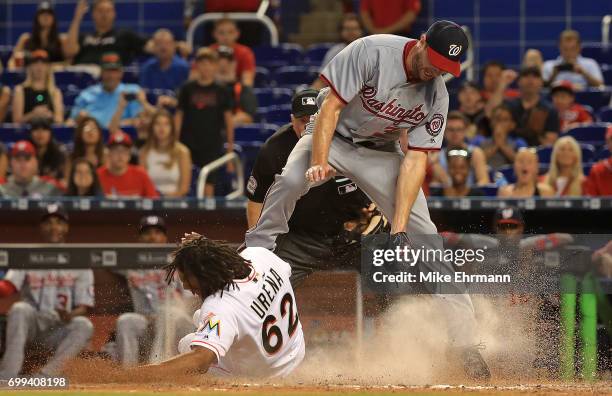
{"x": 26, "y": 324}
{"x": 375, "y": 171}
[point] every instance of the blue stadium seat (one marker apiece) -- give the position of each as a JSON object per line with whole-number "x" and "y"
{"x": 10, "y": 133}
{"x": 607, "y": 75}
{"x": 262, "y": 77}
{"x": 130, "y": 75}
{"x": 595, "y": 51}
{"x": 274, "y": 57}
{"x": 588, "y": 152}
{"x": 604, "y": 153}
{"x": 605, "y": 114}
{"x": 12, "y": 78}
{"x": 592, "y": 134}
{"x": 593, "y": 97}
{"x": 276, "y": 114}
{"x": 490, "y": 190}
{"x": 273, "y": 96}
{"x": 295, "y": 75}
{"x": 315, "y": 53}
{"x": 250, "y": 151}
{"x": 77, "y": 79}
{"x": 508, "y": 172}
{"x": 63, "y": 134}
{"x": 544, "y": 154}
{"x": 253, "y": 132}
{"x": 586, "y": 168}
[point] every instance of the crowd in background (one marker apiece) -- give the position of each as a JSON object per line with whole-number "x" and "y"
{"x": 202, "y": 95}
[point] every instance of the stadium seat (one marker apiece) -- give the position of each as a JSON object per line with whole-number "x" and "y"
{"x": 586, "y": 168}
{"x": 275, "y": 57}
{"x": 267, "y": 97}
{"x": 508, "y": 172}
{"x": 315, "y": 53}
{"x": 253, "y": 133}
{"x": 276, "y": 114}
{"x": 63, "y": 134}
{"x": 544, "y": 154}
{"x": 607, "y": 75}
{"x": 605, "y": 114}
{"x": 595, "y": 51}
{"x": 490, "y": 190}
{"x": 603, "y": 154}
{"x": 10, "y": 133}
{"x": 250, "y": 151}
{"x": 77, "y": 79}
{"x": 262, "y": 77}
{"x": 592, "y": 134}
{"x": 295, "y": 75}
{"x": 12, "y": 78}
{"x": 595, "y": 98}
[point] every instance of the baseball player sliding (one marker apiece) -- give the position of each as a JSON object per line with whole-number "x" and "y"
{"x": 381, "y": 88}
{"x": 248, "y": 324}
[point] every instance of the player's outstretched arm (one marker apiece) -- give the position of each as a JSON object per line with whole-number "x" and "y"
{"x": 411, "y": 176}
{"x": 198, "y": 360}
{"x": 325, "y": 125}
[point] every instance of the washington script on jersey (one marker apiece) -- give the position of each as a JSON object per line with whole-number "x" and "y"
{"x": 271, "y": 284}
{"x": 393, "y": 110}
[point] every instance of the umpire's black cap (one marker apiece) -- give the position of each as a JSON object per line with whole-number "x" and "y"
{"x": 304, "y": 103}
{"x": 446, "y": 42}
{"x": 54, "y": 209}
{"x": 152, "y": 221}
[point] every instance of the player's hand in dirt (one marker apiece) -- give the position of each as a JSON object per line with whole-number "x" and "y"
{"x": 317, "y": 173}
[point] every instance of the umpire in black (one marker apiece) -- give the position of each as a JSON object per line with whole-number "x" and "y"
{"x": 326, "y": 226}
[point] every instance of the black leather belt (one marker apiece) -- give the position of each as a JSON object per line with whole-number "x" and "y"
{"x": 367, "y": 144}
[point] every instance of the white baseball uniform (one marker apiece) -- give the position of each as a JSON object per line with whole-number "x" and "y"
{"x": 253, "y": 328}
{"x": 35, "y": 318}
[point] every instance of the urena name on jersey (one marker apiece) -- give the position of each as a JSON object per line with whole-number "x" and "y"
{"x": 264, "y": 299}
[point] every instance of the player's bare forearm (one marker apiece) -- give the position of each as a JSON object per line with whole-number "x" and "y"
{"x": 409, "y": 181}
{"x": 253, "y": 212}
{"x": 325, "y": 125}
{"x": 198, "y": 360}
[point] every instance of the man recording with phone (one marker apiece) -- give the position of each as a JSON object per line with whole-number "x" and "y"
{"x": 111, "y": 102}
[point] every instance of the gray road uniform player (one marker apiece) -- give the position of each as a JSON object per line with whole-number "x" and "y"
{"x": 382, "y": 96}
{"x": 35, "y": 318}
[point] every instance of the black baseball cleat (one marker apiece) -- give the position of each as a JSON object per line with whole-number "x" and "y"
{"x": 474, "y": 365}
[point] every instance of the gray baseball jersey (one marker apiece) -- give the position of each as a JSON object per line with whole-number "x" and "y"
{"x": 371, "y": 78}
{"x": 148, "y": 289}
{"x": 48, "y": 290}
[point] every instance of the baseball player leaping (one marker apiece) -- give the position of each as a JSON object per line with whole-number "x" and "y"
{"x": 381, "y": 87}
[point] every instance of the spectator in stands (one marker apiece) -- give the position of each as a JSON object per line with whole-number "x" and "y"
{"x": 458, "y": 172}
{"x": 244, "y": 100}
{"x": 226, "y": 33}
{"x": 533, "y": 58}
{"x": 205, "y": 102}
{"x": 44, "y": 36}
{"x": 38, "y": 96}
{"x": 24, "y": 181}
{"x": 571, "y": 66}
{"x": 119, "y": 179}
{"x": 350, "y": 30}
{"x": 537, "y": 121}
{"x": 389, "y": 17}
{"x": 142, "y": 123}
{"x": 83, "y": 180}
{"x": 471, "y": 106}
{"x": 599, "y": 181}
{"x": 493, "y": 72}
{"x": 167, "y": 161}
{"x": 571, "y": 114}
{"x": 110, "y": 101}
{"x": 565, "y": 175}
{"x": 166, "y": 70}
{"x": 500, "y": 149}
{"x": 5, "y": 99}
{"x": 455, "y": 138}
{"x": 88, "y": 48}
{"x": 51, "y": 155}
{"x": 53, "y": 307}
{"x": 88, "y": 143}
{"x": 526, "y": 171}
{"x": 3, "y": 163}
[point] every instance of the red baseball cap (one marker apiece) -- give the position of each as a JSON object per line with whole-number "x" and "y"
{"x": 23, "y": 147}
{"x": 121, "y": 138}
{"x": 446, "y": 42}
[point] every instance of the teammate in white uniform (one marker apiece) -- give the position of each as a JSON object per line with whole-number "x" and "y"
{"x": 382, "y": 88}
{"x": 52, "y": 307}
{"x": 248, "y": 324}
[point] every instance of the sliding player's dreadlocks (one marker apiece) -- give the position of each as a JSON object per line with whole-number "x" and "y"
{"x": 213, "y": 263}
